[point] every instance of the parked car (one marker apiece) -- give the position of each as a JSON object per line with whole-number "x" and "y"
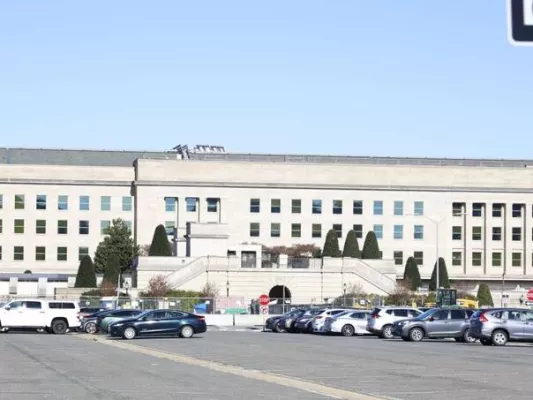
{"x": 90, "y": 323}
{"x": 303, "y": 324}
{"x": 103, "y": 320}
{"x": 381, "y": 319}
{"x": 52, "y": 316}
{"x": 288, "y": 322}
{"x": 437, "y": 323}
{"x": 497, "y": 326}
{"x": 159, "y": 323}
{"x": 85, "y": 311}
{"x": 273, "y": 323}
{"x": 348, "y": 323}
{"x": 318, "y": 320}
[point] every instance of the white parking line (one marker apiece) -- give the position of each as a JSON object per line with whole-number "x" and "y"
{"x": 263, "y": 376}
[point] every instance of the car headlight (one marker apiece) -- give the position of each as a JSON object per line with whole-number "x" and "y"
{"x": 401, "y": 323}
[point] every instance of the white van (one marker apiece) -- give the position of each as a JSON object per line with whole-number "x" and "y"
{"x": 54, "y": 316}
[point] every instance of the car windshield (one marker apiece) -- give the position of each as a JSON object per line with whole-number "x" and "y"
{"x": 426, "y": 314}
{"x": 314, "y": 311}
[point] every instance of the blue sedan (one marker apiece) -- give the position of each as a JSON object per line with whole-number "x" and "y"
{"x": 159, "y": 323}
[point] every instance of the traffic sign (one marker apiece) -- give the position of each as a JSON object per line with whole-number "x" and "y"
{"x": 520, "y": 22}
{"x": 530, "y": 295}
{"x": 264, "y": 310}
{"x": 264, "y": 300}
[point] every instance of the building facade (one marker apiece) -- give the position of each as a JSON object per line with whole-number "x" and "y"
{"x": 476, "y": 214}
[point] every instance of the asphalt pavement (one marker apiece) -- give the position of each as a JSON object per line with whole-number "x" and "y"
{"x": 229, "y": 365}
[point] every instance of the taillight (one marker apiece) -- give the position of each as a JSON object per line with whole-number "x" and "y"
{"x": 482, "y": 318}
{"x": 200, "y": 317}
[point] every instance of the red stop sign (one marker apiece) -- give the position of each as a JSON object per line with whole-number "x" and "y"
{"x": 530, "y": 295}
{"x": 264, "y": 300}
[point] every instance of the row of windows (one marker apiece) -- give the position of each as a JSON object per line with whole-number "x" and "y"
{"x": 316, "y": 207}
{"x": 191, "y": 204}
{"x": 316, "y": 230}
{"x": 62, "y": 226}
{"x": 517, "y": 209}
{"x": 41, "y": 253}
{"x": 41, "y": 202}
{"x": 497, "y": 233}
{"x": 497, "y": 259}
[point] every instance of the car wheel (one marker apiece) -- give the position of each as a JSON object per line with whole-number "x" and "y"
{"x": 467, "y": 337}
{"x": 277, "y": 328}
{"x": 186, "y": 332}
{"x": 485, "y": 342}
{"x": 386, "y": 332}
{"x": 90, "y": 328}
{"x": 347, "y": 330}
{"x": 129, "y": 333}
{"x": 416, "y": 335}
{"x": 499, "y": 338}
{"x": 59, "y": 327}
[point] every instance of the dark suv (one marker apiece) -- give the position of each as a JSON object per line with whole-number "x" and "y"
{"x": 437, "y": 323}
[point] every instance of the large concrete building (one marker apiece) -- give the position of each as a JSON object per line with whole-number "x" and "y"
{"x": 476, "y": 214}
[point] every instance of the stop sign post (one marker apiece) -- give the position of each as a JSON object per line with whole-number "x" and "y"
{"x": 530, "y": 295}
{"x": 264, "y": 301}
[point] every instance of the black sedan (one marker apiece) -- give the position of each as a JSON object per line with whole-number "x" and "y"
{"x": 159, "y": 323}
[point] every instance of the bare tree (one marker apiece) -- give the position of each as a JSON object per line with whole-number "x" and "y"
{"x": 158, "y": 286}
{"x": 356, "y": 290}
{"x": 210, "y": 289}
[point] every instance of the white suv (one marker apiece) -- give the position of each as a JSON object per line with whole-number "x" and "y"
{"x": 54, "y": 316}
{"x": 318, "y": 321}
{"x": 381, "y": 319}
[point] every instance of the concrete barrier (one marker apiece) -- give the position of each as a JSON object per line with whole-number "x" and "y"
{"x": 246, "y": 320}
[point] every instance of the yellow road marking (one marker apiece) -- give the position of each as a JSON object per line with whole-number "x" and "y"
{"x": 263, "y": 376}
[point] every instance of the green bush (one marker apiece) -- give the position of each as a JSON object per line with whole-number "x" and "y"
{"x": 160, "y": 246}
{"x": 331, "y": 246}
{"x": 351, "y": 246}
{"x": 484, "y": 296}
{"x": 112, "y": 269}
{"x": 412, "y": 274}
{"x": 85, "y": 277}
{"x": 371, "y": 247}
{"x": 443, "y": 276}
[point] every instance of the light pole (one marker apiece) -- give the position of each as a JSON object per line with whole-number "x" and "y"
{"x": 227, "y": 288}
{"x": 503, "y": 283}
{"x": 126, "y": 286}
{"x": 344, "y": 300}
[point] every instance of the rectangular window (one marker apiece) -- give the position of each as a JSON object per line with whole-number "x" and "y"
{"x": 19, "y": 202}
{"x": 517, "y": 234}
{"x": 275, "y": 229}
{"x": 316, "y": 231}
{"x": 84, "y": 203}
{"x": 1, "y": 226}
{"x": 254, "y": 229}
{"x": 496, "y": 259}
{"x": 40, "y": 227}
{"x": 40, "y": 203}
{"x": 19, "y": 226}
{"x": 398, "y": 207}
{"x": 18, "y": 253}
{"x": 129, "y": 225}
{"x": 358, "y": 229}
{"x": 457, "y": 232}
{"x": 62, "y": 227}
{"x": 84, "y": 227}
{"x": 358, "y": 207}
{"x": 378, "y": 207}
{"x": 457, "y": 209}
{"x": 255, "y": 206}
{"x": 105, "y": 203}
{"x": 62, "y": 202}
{"x": 1, "y": 201}
{"x": 476, "y": 233}
{"x": 496, "y": 233}
{"x": 170, "y": 204}
{"x": 190, "y": 204}
{"x": 517, "y": 210}
{"x": 457, "y": 258}
{"x": 104, "y": 225}
{"x": 82, "y": 252}
{"x": 419, "y": 208}
{"x": 0, "y": 253}
{"x": 476, "y": 259}
{"x": 338, "y": 228}
{"x": 477, "y": 210}
{"x": 275, "y": 206}
{"x": 497, "y": 210}
{"x": 169, "y": 227}
{"x": 337, "y": 206}
{"x": 398, "y": 257}
{"x": 296, "y": 206}
{"x": 127, "y": 203}
{"x": 419, "y": 257}
{"x": 516, "y": 259}
{"x": 378, "y": 230}
{"x": 40, "y": 253}
{"x": 398, "y": 231}
{"x": 317, "y": 206}
{"x": 61, "y": 254}
{"x": 212, "y": 205}
{"x": 296, "y": 230}
{"x": 419, "y": 232}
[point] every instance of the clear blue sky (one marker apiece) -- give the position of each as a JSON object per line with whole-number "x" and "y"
{"x": 362, "y": 77}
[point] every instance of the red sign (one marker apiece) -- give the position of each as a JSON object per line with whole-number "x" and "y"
{"x": 264, "y": 300}
{"x": 530, "y": 295}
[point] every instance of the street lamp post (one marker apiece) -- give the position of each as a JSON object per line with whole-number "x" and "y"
{"x": 126, "y": 286}
{"x": 227, "y": 288}
{"x": 503, "y": 284}
{"x": 344, "y": 300}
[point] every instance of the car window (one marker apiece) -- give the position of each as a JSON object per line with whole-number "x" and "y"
{"x": 529, "y": 316}
{"x": 35, "y": 305}
{"x": 514, "y": 315}
{"x": 469, "y": 313}
{"x": 15, "y": 305}
{"x": 389, "y": 312}
{"x": 125, "y": 313}
{"x": 457, "y": 314}
{"x": 400, "y": 313}
{"x": 413, "y": 313}
{"x": 337, "y": 312}
{"x": 495, "y": 314}
{"x": 440, "y": 315}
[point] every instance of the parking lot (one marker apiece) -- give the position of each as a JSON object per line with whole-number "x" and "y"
{"x": 228, "y": 365}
